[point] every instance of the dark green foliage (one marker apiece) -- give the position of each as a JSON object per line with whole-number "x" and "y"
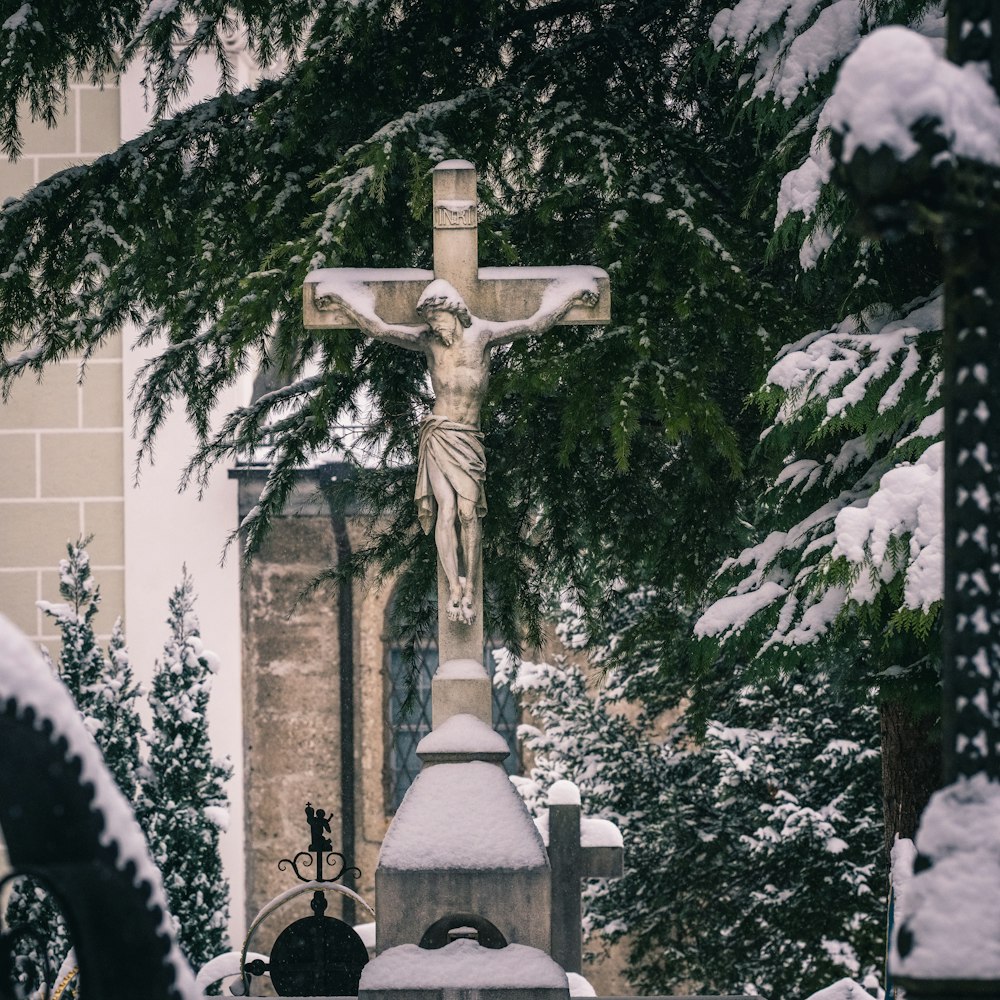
{"x": 844, "y": 563}
{"x": 600, "y": 136}
{"x": 752, "y": 842}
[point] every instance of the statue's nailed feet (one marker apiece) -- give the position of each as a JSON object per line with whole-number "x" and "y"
{"x": 468, "y": 608}
{"x": 454, "y": 610}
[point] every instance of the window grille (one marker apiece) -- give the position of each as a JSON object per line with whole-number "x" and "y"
{"x": 410, "y": 728}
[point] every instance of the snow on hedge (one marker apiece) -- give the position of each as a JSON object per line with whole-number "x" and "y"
{"x": 790, "y": 56}
{"x": 896, "y": 78}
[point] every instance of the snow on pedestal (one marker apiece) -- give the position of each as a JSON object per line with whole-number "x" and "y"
{"x": 462, "y": 841}
{"x": 463, "y": 738}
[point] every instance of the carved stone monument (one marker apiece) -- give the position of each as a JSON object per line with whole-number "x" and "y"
{"x": 455, "y": 315}
{"x": 462, "y": 858}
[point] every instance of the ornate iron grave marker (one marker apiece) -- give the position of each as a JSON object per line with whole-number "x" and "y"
{"x": 316, "y": 955}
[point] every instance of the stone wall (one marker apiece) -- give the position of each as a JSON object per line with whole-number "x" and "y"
{"x": 295, "y": 653}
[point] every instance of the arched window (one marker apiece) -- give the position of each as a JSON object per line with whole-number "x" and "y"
{"x": 407, "y": 730}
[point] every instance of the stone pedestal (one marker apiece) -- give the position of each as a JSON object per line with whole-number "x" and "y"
{"x": 462, "y": 843}
{"x": 461, "y": 687}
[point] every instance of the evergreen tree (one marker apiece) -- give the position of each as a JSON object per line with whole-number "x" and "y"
{"x": 120, "y": 735}
{"x": 183, "y": 803}
{"x": 105, "y": 693}
{"x": 843, "y": 557}
{"x": 752, "y": 842}
{"x": 601, "y": 136}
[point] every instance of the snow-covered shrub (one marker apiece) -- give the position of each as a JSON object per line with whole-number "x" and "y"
{"x": 183, "y": 804}
{"x": 752, "y": 848}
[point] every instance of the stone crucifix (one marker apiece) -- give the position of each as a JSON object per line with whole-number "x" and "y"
{"x": 455, "y": 316}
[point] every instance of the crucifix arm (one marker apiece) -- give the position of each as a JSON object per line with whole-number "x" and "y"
{"x": 557, "y": 301}
{"x": 364, "y": 318}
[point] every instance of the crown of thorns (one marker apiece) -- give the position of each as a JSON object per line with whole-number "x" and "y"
{"x": 439, "y": 295}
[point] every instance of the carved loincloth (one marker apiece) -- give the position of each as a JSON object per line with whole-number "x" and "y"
{"x": 457, "y": 451}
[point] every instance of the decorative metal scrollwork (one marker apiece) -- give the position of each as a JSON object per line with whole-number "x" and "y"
{"x": 320, "y": 849}
{"x": 305, "y": 858}
{"x": 317, "y": 955}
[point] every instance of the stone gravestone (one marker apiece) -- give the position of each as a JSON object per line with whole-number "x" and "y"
{"x": 580, "y": 847}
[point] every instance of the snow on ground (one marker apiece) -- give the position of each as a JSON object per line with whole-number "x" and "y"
{"x": 25, "y": 677}
{"x": 463, "y": 964}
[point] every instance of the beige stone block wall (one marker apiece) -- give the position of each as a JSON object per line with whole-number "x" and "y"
{"x": 61, "y": 442}
{"x": 89, "y": 127}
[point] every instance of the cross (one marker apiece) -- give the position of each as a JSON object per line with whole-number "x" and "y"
{"x": 579, "y": 848}
{"x": 455, "y": 314}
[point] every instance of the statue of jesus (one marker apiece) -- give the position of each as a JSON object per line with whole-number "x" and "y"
{"x": 451, "y": 473}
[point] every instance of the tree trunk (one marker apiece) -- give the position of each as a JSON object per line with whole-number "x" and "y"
{"x": 911, "y": 767}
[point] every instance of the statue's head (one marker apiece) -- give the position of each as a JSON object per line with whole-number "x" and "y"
{"x": 443, "y": 309}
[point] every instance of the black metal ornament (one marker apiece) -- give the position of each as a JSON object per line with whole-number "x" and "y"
{"x": 316, "y": 955}
{"x": 320, "y": 849}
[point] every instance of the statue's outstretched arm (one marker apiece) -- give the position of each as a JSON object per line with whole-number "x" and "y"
{"x": 557, "y": 300}
{"x": 364, "y": 317}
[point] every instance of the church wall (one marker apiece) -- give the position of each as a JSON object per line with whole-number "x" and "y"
{"x": 292, "y": 742}
{"x": 292, "y": 697}
{"x": 61, "y": 443}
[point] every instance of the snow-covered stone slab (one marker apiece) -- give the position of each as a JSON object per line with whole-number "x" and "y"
{"x": 462, "y": 965}
{"x": 463, "y": 738}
